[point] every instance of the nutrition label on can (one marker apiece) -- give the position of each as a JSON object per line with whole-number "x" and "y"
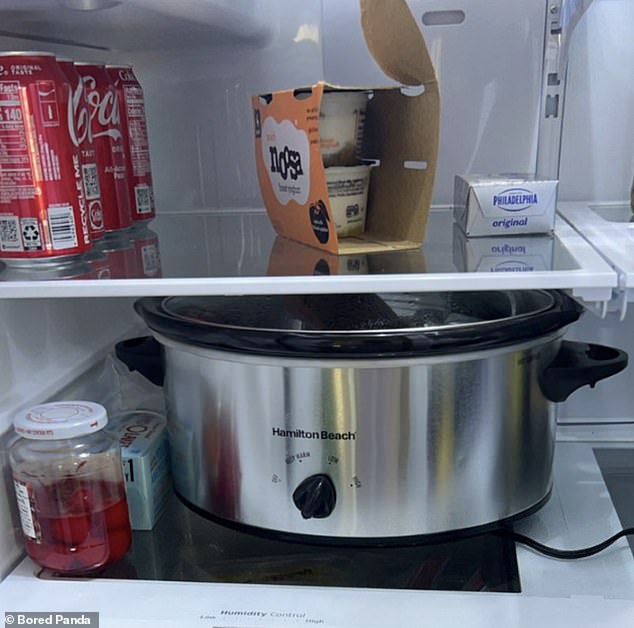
{"x": 16, "y": 167}
{"x": 137, "y": 130}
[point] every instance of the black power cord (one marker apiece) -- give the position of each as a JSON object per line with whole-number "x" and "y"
{"x": 553, "y": 552}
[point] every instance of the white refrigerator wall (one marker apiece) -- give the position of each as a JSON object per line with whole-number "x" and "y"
{"x": 598, "y": 135}
{"x": 487, "y": 57}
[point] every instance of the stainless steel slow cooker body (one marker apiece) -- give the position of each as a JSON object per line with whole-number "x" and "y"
{"x": 412, "y": 435}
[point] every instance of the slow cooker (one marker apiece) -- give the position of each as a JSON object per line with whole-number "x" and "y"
{"x": 368, "y": 417}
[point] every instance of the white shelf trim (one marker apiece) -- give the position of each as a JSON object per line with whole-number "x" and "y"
{"x": 614, "y": 241}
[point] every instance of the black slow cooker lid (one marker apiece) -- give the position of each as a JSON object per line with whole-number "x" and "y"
{"x": 359, "y": 325}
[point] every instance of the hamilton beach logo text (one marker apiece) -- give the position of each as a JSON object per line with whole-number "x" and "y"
{"x": 515, "y": 199}
{"x": 314, "y": 435}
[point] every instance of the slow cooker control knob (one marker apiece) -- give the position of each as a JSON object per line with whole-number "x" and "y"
{"x": 315, "y": 497}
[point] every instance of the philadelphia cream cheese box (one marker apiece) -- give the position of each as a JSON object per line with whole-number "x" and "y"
{"x": 504, "y": 204}
{"x": 145, "y": 453}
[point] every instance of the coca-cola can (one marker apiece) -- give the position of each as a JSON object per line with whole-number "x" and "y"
{"x": 42, "y": 210}
{"x": 108, "y": 141}
{"x": 137, "y": 146}
{"x": 79, "y": 127}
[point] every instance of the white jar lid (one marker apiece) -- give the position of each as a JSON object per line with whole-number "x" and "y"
{"x": 60, "y": 419}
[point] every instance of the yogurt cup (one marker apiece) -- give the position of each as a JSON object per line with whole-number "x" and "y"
{"x": 341, "y": 120}
{"x": 348, "y": 192}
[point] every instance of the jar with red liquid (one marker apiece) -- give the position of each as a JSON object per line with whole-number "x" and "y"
{"x": 70, "y": 487}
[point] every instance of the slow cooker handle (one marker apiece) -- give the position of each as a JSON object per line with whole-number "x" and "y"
{"x": 579, "y": 364}
{"x": 145, "y": 355}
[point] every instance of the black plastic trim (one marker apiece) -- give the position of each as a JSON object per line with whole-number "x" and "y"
{"x": 579, "y": 364}
{"x": 145, "y": 355}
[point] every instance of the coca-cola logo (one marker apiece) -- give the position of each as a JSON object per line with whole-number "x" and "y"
{"x": 78, "y": 116}
{"x": 104, "y": 108}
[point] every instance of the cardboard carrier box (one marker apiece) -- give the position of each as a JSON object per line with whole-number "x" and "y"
{"x": 351, "y": 169}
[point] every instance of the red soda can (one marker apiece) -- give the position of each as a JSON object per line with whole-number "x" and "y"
{"x": 42, "y": 210}
{"x": 137, "y": 147}
{"x": 79, "y": 132}
{"x": 108, "y": 141}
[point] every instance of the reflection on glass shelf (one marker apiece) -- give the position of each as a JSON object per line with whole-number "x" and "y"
{"x": 514, "y": 254}
{"x": 245, "y": 244}
{"x": 227, "y": 244}
{"x": 123, "y": 255}
{"x": 291, "y": 258}
{"x": 615, "y": 213}
{"x": 184, "y": 546}
{"x": 238, "y": 252}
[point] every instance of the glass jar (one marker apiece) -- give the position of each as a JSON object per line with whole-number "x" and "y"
{"x": 69, "y": 487}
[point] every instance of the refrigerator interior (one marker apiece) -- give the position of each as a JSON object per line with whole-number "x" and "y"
{"x": 199, "y": 61}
